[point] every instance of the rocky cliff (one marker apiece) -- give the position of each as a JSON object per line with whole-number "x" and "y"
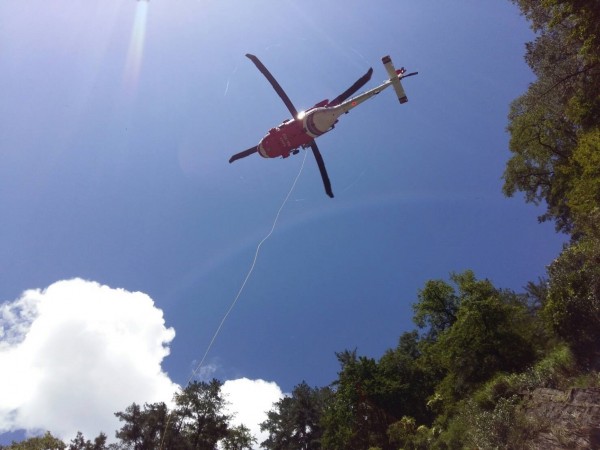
{"x": 563, "y": 419}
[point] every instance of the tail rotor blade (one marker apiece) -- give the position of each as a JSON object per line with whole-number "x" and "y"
{"x": 243, "y": 154}
{"x": 410, "y": 74}
{"x": 322, "y": 169}
{"x": 352, "y": 89}
{"x": 274, "y": 83}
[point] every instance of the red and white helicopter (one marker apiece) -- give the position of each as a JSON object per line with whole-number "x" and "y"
{"x": 301, "y": 130}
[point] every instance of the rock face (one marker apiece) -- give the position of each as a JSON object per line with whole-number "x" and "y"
{"x": 564, "y": 419}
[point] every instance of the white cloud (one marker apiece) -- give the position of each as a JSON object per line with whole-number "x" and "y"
{"x": 73, "y": 354}
{"x": 249, "y": 401}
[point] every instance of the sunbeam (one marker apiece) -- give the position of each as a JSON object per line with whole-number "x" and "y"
{"x": 136, "y": 47}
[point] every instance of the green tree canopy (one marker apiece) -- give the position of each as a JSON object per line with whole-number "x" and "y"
{"x": 493, "y": 331}
{"x": 45, "y": 442}
{"x": 80, "y": 443}
{"x": 197, "y": 421}
{"x": 295, "y": 421}
{"x": 354, "y": 420}
{"x": 559, "y": 109}
{"x": 238, "y": 438}
{"x": 200, "y": 409}
{"x": 144, "y": 427}
{"x": 436, "y": 309}
{"x": 573, "y": 305}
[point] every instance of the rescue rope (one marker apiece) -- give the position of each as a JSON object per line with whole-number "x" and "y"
{"x": 194, "y": 373}
{"x": 235, "y": 300}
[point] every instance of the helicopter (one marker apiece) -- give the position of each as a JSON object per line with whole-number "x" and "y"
{"x": 305, "y": 126}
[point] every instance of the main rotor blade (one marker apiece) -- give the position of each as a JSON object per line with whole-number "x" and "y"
{"x": 274, "y": 83}
{"x": 352, "y": 89}
{"x": 243, "y": 154}
{"x": 322, "y": 168}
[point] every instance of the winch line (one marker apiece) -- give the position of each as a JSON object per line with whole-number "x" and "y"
{"x": 194, "y": 373}
{"x": 235, "y": 300}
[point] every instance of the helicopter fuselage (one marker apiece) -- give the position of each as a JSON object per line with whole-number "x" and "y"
{"x": 299, "y": 132}
{"x": 293, "y": 134}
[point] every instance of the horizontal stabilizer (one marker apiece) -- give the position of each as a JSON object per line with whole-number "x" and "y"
{"x": 395, "y": 78}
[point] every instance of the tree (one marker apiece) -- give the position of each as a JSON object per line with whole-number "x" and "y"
{"x": 45, "y": 442}
{"x": 584, "y": 195}
{"x": 407, "y": 435}
{"x": 405, "y": 383}
{"x": 143, "y": 428}
{"x": 555, "y": 138}
{"x": 573, "y": 305}
{"x": 370, "y": 396}
{"x": 238, "y": 438}
{"x": 79, "y": 443}
{"x": 200, "y": 412}
{"x": 492, "y": 332}
{"x": 295, "y": 421}
{"x": 355, "y": 418}
{"x": 583, "y": 17}
{"x": 436, "y": 309}
{"x": 542, "y": 142}
{"x": 547, "y": 123}
{"x": 490, "y": 336}
{"x": 197, "y": 422}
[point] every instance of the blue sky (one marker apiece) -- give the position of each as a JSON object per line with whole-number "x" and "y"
{"x": 119, "y": 117}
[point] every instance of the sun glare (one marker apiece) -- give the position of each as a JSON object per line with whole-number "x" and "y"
{"x": 136, "y": 46}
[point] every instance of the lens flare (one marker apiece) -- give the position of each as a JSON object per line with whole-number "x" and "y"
{"x": 136, "y": 46}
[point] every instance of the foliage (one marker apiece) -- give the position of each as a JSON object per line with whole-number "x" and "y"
{"x": 583, "y": 17}
{"x": 145, "y": 427}
{"x": 200, "y": 413}
{"x": 405, "y": 381}
{"x": 555, "y": 140}
{"x": 583, "y": 197}
{"x": 238, "y": 438}
{"x": 491, "y": 333}
{"x": 407, "y": 435}
{"x": 554, "y": 117}
{"x": 495, "y": 428}
{"x": 490, "y": 336}
{"x": 478, "y": 349}
{"x": 437, "y": 307}
{"x": 573, "y": 306}
{"x": 295, "y": 421}
{"x": 196, "y": 422}
{"x": 354, "y": 419}
{"x": 45, "y": 442}
{"x": 79, "y": 443}
{"x": 49, "y": 442}
{"x": 491, "y": 418}
{"x": 370, "y": 396}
